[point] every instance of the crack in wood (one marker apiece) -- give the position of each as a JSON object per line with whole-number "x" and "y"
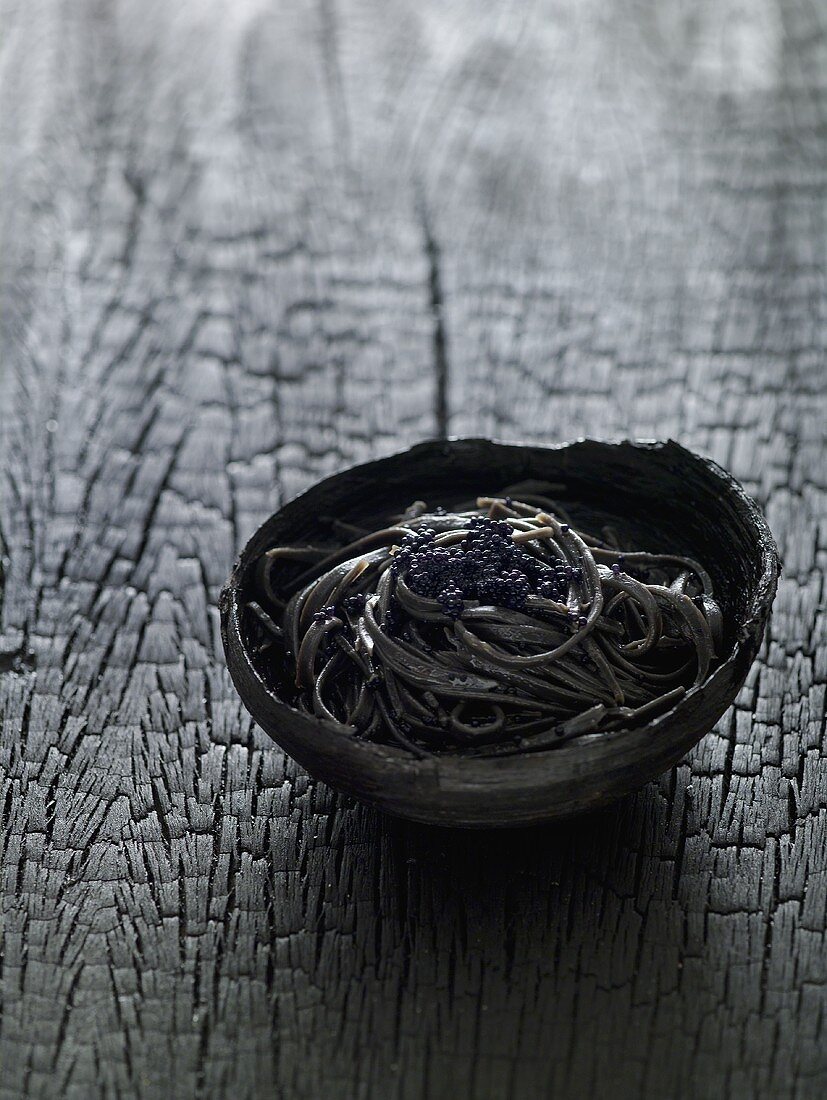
{"x": 439, "y": 343}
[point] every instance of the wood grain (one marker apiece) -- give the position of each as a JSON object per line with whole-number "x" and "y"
{"x": 245, "y": 244}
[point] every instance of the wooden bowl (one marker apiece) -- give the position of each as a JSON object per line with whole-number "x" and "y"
{"x": 661, "y": 493}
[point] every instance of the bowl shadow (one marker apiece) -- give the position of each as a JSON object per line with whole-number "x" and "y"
{"x": 500, "y": 961}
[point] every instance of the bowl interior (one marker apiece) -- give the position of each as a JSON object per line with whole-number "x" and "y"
{"x": 659, "y": 498}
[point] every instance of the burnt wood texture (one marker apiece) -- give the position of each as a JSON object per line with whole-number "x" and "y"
{"x": 246, "y": 244}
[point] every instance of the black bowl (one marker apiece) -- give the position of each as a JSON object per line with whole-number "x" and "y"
{"x": 661, "y": 494}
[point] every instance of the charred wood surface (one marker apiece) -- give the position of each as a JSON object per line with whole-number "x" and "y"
{"x": 246, "y": 244}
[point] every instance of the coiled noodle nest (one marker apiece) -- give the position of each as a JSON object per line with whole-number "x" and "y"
{"x": 492, "y": 628}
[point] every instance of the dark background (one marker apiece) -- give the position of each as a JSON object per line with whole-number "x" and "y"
{"x": 246, "y": 243}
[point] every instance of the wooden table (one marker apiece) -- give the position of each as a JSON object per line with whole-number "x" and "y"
{"x": 248, "y": 243}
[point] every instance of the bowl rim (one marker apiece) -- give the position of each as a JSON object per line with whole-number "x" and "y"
{"x": 575, "y": 755}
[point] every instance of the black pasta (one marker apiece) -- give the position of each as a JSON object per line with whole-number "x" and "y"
{"x": 490, "y": 630}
